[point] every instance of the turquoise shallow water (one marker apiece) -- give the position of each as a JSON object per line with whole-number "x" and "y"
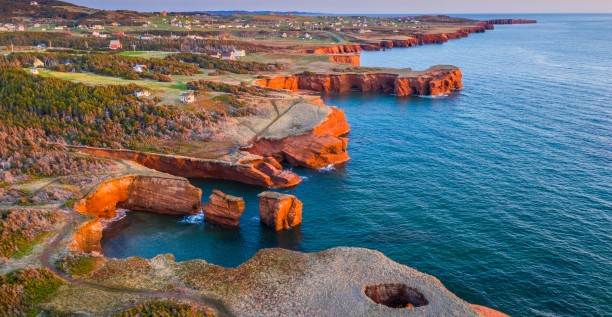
{"x": 503, "y": 191}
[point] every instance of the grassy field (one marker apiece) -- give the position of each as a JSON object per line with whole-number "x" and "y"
{"x": 146, "y": 54}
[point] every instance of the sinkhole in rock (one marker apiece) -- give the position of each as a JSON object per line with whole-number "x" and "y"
{"x": 395, "y": 295}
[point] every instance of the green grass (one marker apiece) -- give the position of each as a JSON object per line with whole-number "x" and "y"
{"x": 80, "y": 265}
{"x": 146, "y": 54}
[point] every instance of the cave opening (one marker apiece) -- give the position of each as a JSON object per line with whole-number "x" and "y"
{"x": 395, "y": 295}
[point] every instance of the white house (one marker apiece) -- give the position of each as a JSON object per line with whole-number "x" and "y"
{"x": 139, "y": 68}
{"x": 34, "y": 71}
{"x": 142, "y": 93}
{"x": 239, "y": 53}
{"x": 228, "y": 56}
{"x": 187, "y": 97}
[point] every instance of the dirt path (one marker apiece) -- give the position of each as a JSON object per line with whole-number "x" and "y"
{"x": 45, "y": 260}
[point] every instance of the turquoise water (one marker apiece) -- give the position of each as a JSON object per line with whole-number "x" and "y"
{"x": 503, "y": 191}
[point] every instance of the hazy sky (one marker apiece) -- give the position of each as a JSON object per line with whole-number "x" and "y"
{"x": 361, "y": 6}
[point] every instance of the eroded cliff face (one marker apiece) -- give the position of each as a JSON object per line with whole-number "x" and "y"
{"x": 426, "y": 38}
{"x": 87, "y": 238}
{"x": 338, "y": 49}
{"x": 511, "y": 21}
{"x": 353, "y": 59}
{"x": 322, "y": 147}
{"x": 172, "y": 196}
{"x": 250, "y": 170}
{"x": 431, "y": 82}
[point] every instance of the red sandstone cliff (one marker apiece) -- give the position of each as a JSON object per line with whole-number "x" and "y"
{"x": 338, "y": 49}
{"x": 483, "y": 311}
{"x": 254, "y": 171}
{"x": 353, "y": 59}
{"x": 224, "y": 209}
{"x": 432, "y": 82}
{"x": 511, "y": 21}
{"x": 173, "y": 196}
{"x": 279, "y": 211}
{"x": 322, "y": 147}
{"x": 87, "y": 238}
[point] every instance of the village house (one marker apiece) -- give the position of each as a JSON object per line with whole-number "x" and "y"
{"x": 215, "y": 55}
{"x": 38, "y": 63}
{"x": 97, "y": 27}
{"x": 228, "y": 56}
{"x": 139, "y": 68}
{"x": 239, "y": 53}
{"x": 34, "y": 3}
{"x": 307, "y": 36}
{"x": 187, "y": 97}
{"x": 115, "y": 45}
{"x": 34, "y": 71}
{"x": 283, "y": 35}
{"x": 142, "y": 93}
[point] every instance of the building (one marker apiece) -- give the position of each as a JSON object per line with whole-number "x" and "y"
{"x": 187, "y": 97}
{"x": 115, "y": 45}
{"x": 307, "y": 36}
{"x": 139, "y": 68}
{"x": 215, "y": 55}
{"x": 38, "y": 63}
{"x": 142, "y": 93}
{"x": 34, "y": 3}
{"x": 283, "y": 35}
{"x": 239, "y": 53}
{"x": 228, "y": 56}
{"x": 34, "y": 71}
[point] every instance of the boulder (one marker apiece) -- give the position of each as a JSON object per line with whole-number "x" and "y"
{"x": 224, "y": 209}
{"x": 279, "y": 211}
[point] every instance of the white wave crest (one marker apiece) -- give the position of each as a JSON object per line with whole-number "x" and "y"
{"x": 119, "y": 214}
{"x": 193, "y": 219}
{"x": 327, "y": 168}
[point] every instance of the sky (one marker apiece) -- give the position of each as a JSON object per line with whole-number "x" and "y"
{"x": 361, "y": 6}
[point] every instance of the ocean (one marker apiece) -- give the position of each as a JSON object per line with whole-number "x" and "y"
{"x": 502, "y": 190}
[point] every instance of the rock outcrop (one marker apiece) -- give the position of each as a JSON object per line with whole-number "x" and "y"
{"x": 224, "y": 209}
{"x": 483, "y": 311}
{"x": 426, "y": 38}
{"x": 322, "y": 147}
{"x": 352, "y": 59}
{"x": 511, "y": 21}
{"x": 337, "y": 49}
{"x": 246, "y": 169}
{"x": 279, "y": 211}
{"x": 87, "y": 238}
{"x": 434, "y": 81}
{"x": 171, "y": 196}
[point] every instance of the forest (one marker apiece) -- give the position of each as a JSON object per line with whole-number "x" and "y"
{"x": 106, "y": 64}
{"x": 236, "y": 66}
{"x": 104, "y": 116}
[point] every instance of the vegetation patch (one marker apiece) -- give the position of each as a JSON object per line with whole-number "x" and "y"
{"x": 159, "y": 308}
{"x": 21, "y": 229}
{"x": 81, "y": 264}
{"x": 233, "y": 66}
{"x": 22, "y": 290}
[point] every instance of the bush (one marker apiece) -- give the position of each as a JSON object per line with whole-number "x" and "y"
{"x": 159, "y": 308}
{"x": 22, "y": 290}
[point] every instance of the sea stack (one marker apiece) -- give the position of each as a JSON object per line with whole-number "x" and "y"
{"x": 224, "y": 209}
{"x": 279, "y": 211}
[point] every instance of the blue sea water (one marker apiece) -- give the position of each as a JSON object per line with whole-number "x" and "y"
{"x": 503, "y": 190}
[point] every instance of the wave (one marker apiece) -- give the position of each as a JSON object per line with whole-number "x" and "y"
{"x": 119, "y": 214}
{"x": 327, "y": 168}
{"x": 193, "y": 219}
